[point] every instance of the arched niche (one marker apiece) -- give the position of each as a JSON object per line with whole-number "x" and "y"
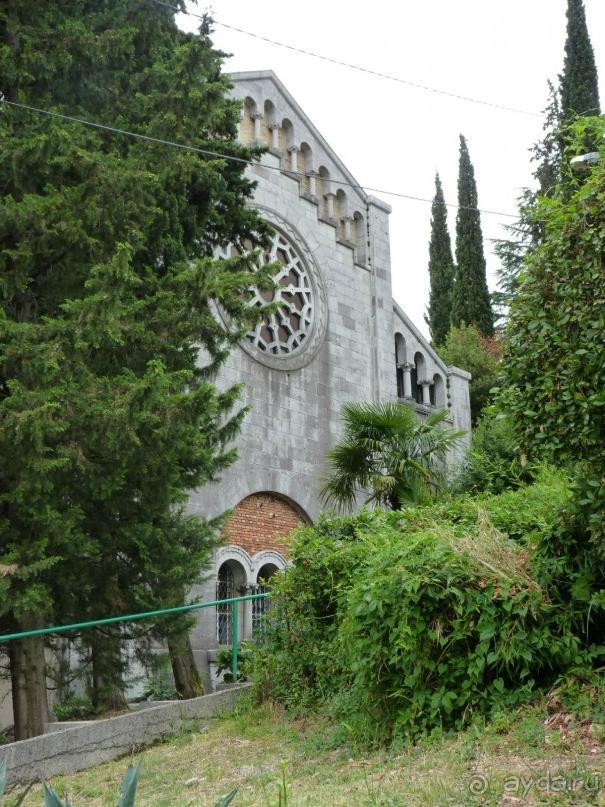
{"x": 324, "y": 187}
{"x": 246, "y": 128}
{"x": 418, "y": 376}
{"x": 286, "y": 140}
{"x": 360, "y": 237}
{"x": 400, "y": 360}
{"x": 438, "y": 393}
{"x": 305, "y": 166}
{"x": 341, "y": 213}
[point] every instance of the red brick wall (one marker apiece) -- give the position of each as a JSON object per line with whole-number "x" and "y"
{"x": 262, "y": 521}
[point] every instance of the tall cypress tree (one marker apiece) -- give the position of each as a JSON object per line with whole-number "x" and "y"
{"x": 441, "y": 269}
{"x": 579, "y": 80}
{"x": 471, "y": 300}
{"x": 576, "y": 92}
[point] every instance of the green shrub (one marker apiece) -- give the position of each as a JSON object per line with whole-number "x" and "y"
{"x": 466, "y": 347}
{"x": 224, "y": 657}
{"x": 297, "y": 663}
{"x": 445, "y": 624}
{"x": 528, "y": 515}
{"x": 74, "y": 707}
{"x": 496, "y": 461}
{"x": 406, "y": 622}
{"x": 159, "y": 684}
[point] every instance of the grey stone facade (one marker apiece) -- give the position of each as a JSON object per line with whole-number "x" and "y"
{"x": 342, "y": 235}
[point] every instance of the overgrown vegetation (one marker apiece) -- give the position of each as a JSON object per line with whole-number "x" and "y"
{"x": 404, "y": 623}
{"x": 554, "y": 375}
{"x": 496, "y": 461}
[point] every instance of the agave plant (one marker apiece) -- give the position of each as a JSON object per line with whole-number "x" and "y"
{"x": 21, "y": 798}
{"x": 51, "y": 799}
{"x": 225, "y": 800}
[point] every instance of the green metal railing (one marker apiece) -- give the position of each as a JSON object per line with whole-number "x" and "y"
{"x": 111, "y": 620}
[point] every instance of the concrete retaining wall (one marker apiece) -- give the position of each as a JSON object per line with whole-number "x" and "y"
{"x": 73, "y": 749}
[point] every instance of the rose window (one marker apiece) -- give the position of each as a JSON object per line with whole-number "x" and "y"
{"x": 285, "y": 330}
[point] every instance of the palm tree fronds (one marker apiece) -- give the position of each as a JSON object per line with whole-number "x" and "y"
{"x": 388, "y": 453}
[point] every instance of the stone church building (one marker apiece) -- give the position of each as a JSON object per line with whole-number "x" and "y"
{"x": 338, "y": 336}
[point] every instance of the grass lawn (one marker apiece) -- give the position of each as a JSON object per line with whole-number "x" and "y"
{"x": 537, "y": 756}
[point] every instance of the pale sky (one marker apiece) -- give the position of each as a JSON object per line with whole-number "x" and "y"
{"x": 395, "y": 137}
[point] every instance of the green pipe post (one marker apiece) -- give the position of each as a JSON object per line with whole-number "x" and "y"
{"x": 110, "y": 620}
{"x": 234, "y": 639}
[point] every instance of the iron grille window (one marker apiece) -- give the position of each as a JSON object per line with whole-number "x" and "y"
{"x": 225, "y": 588}
{"x": 260, "y": 608}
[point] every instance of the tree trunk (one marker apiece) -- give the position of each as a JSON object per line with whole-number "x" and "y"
{"x": 186, "y": 675}
{"x": 107, "y": 672}
{"x": 28, "y": 680}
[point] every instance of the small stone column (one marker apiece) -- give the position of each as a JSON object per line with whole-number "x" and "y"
{"x": 347, "y": 229}
{"x": 257, "y": 118}
{"x": 330, "y": 205}
{"x": 293, "y": 159}
{"x": 426, "y": 393}
{"x": 407, "y": 379}
{"x": 274, "y": 128}
{"x": 313, "y": 184}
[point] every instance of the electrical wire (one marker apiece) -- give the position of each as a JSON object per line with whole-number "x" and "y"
{"x": 241, "y": 160}
{"x": 367, "y": 70}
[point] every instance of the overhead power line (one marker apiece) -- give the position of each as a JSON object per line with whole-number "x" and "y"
{"x": 211, "y": 153}
{"x": 367, "y": 70}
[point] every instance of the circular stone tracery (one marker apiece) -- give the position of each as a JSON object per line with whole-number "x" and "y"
{"x": 289, "y": 338}
{"x": 284, "y": 332}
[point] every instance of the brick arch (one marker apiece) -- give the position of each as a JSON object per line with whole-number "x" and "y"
{"x": 264, "y": 521}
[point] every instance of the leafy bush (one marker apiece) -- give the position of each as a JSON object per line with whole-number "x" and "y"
{"x": 159, "y": 685}
{"x": 224, "y": 657}
{"x": 297, "y": 663}
{"x": 447, "y": 623}
{"x": 74, "y": 707}
{"x": 553, "y": 380}
{"x": 496, "y": 461}
{"x": 466, "y": 347}
{"x": 410, "y": 621}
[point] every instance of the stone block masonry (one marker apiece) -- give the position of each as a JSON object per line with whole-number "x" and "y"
{"x": 75, "y": 749}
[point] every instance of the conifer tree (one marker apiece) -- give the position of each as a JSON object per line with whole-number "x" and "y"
{"x": 576, "y": 93}
{"x": 441, "y": 269}
{"x": 470, "y": 300}
{"x": 579, "y": 81}
{"x": 108, "y": 411}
